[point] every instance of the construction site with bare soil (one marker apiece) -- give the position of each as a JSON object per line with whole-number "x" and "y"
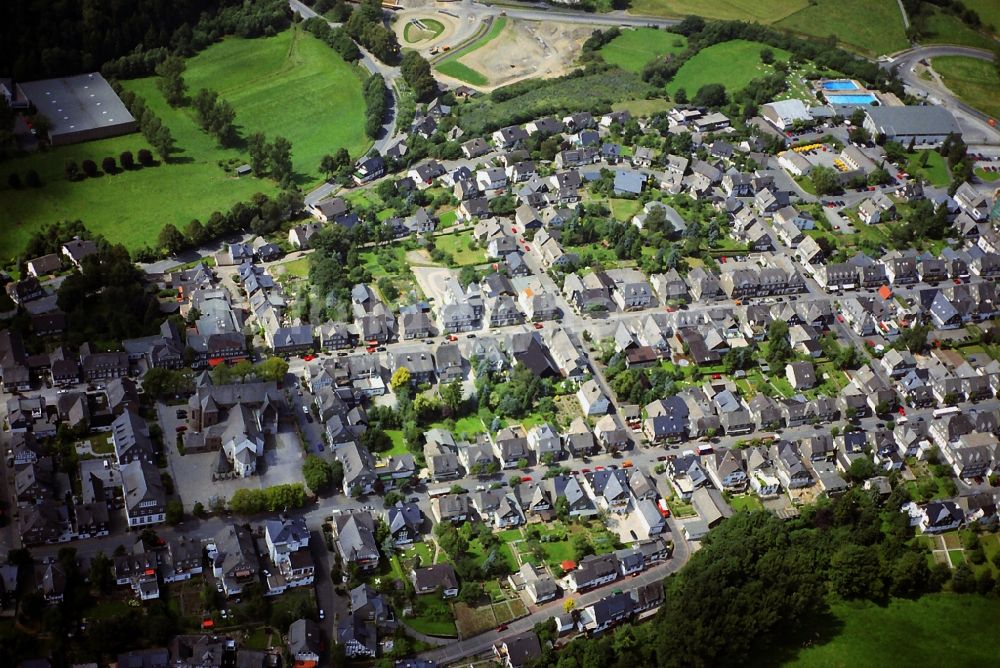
{"x": 488, "y": 52}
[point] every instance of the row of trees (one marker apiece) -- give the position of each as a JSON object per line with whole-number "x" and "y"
{"x": 274, "y": 158}
{"x": 367, "y": 28}
{"x": 31, "y": 179}
{"x": 375, "y": 104}
{"x": 417, "y": 74}
{"x": 216, "y": 116}
{"x": 126, "y": 159}
{"x": 272, "y": 499}
{"x": 157, "y": 134}
{"x": 336, "y": 38}
{"x": 171, "y": 82}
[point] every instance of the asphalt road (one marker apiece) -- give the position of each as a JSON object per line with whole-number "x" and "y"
{"x": 388, "y": 134}
{"x": 905, "y": 61}
{"x": 483, "y": 642}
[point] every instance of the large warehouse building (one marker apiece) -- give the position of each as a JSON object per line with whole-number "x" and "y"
{"x": 924, "y": 125}
{"x": 79, "y": 108}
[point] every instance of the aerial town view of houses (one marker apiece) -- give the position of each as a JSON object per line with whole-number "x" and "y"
{"x": 417, "y": 334}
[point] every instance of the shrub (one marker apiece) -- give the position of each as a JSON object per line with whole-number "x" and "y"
{"x": 126, "y": 160}
{"x": 108, "y": 165}
{"x": 89, "y": 168}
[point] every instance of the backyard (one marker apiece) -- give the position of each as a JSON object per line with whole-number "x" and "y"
{"x": 935, "y": 171}
{"x": 458, "y": 246}
{"x": 733, "y": 64}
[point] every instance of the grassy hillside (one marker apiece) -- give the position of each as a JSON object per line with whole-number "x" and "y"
{"x": 732, "y": 64}
{"x": 989, "y": 13}
{"x": 868, "y": 26}
{"x": 741, "y": 10}
{"x": 908, "y": 633}
{"x": 975, "y": 81}
{"x": 943, "y": 28}
{"x": 291, "y": 85}
{"x": 634, "y": 48}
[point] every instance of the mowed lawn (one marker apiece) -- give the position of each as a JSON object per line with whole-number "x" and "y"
{"x": 634, "y": 48}
{"x": 130, "y": 207}
{"x": 740, "y": 10}
{"x": 733, "y": 64}
{"x": 459, "y": 70}
{"x": 291, "y": 85}
{"x": 975, "y": 81}
{"x": 867, "y": 26}
{"x": 908, "y": 633}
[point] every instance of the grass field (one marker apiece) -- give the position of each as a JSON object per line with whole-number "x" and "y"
{"x": 743, "y": 10}
{"x": 732, "y": 64}
{"x": 975, "y": 81}
{"x": 129, "y": 207}
{"x": 988, "y": 177}
{"x": 936, "y": 171}
{"x": 634, "y": 48}
{"x": 413, "y": 33}
{"x": 458, "y": 246}
{"x": 908, "y": 633}
{"x": 943, "y": 28}
{"x": 259, "y": 77}
{"x": 989, "y": 13}
{"x": 459, "y": 70}
{"x": 867, "y": 26}
{"x": 291, "y": 85}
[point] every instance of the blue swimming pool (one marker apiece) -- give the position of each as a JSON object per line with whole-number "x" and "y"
{"x": 862, "y": 99}
{"x": 841, "y": 84}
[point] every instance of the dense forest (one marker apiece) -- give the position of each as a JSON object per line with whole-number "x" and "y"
{"x": 759, "y": 583}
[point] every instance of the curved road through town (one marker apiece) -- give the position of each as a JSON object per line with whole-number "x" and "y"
{"x": 905, "y": 63}
{"x": 483, "y": 643}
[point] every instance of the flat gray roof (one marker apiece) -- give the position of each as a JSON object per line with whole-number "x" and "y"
{"x": 913, "y": 120}
{"x": 77, "y": 103}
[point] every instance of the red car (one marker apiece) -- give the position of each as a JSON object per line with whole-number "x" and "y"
{"x": 452, "y": 337}
{"x": 526, "y": 478}
{"x": 598, "y": 468}
{"x": 538, "y": 325}
{"x": 180, "y": 428}
{"x": 840, "y": 318}
{"x": 671, "y": 309}
{"x": 716, "y": 376}
{"x": 527, "y": 248}
{"x": 502, "y": 628}
{"x": 371, "y": 349}
{"x": 584, "y": 470}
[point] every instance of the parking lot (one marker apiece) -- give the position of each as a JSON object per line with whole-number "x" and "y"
{"x": 193, "y": 473}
